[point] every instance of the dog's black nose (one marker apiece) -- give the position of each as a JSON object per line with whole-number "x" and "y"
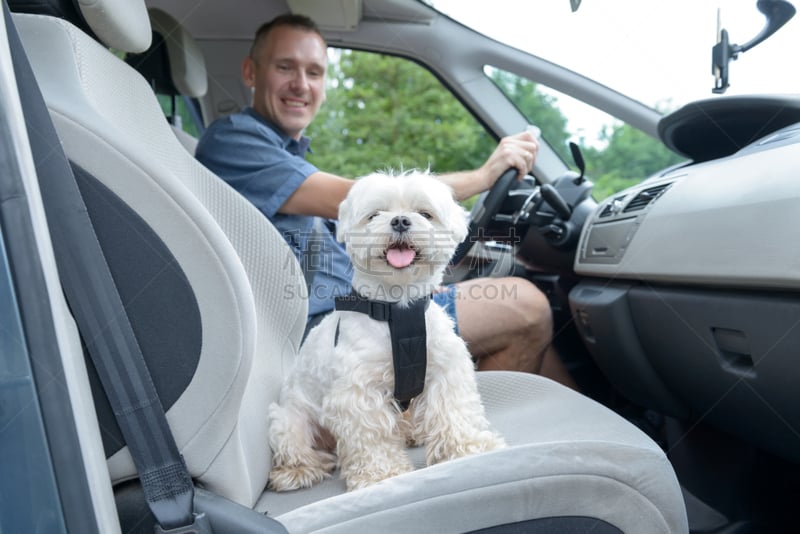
{"x": 401, "y": 223}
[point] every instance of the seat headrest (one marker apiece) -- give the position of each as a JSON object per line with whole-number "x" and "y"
{"x": 119, "y": 24}
{"x": 174, "y": 63}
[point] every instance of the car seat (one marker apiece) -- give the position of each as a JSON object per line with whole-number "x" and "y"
{"x": 174, "y": 65}
{"x": 217, "y": 300}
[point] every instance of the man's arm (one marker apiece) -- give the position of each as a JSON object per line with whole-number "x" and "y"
{"x": 515, "y": 151}
{"x": 321, "y": 193}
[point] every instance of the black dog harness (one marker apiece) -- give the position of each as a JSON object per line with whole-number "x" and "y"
{"x": 409, "y": 340}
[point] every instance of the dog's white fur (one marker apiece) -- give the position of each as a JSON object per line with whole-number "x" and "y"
{"x": 347, "y": 389}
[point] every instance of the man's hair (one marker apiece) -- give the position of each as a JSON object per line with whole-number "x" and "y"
{"x": 292, "y": 20}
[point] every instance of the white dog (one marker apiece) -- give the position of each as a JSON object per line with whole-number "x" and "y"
{"x": 400, "y": 232}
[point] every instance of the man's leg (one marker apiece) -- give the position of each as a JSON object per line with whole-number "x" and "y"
{"x": 508, "y": 325}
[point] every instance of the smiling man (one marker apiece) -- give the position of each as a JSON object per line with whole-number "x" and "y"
{"x": 261, "y": 150}
{"x": 290, "y": 74}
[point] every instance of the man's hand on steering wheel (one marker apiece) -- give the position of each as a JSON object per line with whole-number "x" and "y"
{"x": 513, "y": 152}
{"x": 512, "y": 160}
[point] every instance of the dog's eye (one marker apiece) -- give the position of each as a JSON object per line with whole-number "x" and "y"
{"x": 426, "y": 214}
{"x": 372, "y": 215}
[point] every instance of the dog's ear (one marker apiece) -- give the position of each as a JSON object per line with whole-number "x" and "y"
{"x": 459, "y": 222}
{"x": 456, "y": 217}
{"x": 344, "y": 218}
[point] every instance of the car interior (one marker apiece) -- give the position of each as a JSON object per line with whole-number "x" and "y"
{"x": 675, "y": 299}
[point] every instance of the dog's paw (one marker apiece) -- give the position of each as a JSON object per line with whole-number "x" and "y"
{"x": 327, "y": 461}
{"x": 482, "y": 441}
{"x": 485, "y": 441}
{"x": 297, "y": 476}
{"x": 288, "y": 478}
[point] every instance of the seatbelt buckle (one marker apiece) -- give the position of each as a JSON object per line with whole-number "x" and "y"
{"x": 200, "y": 525}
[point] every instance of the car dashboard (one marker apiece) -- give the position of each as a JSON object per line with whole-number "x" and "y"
{"x": 726, "y": 222}
{"x": 689, "y": 292}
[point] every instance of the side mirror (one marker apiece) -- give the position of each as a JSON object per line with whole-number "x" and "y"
{"x": 579, "y": 161}
{"x": 778, "y": 13}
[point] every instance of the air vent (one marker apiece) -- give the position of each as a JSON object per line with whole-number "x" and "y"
{"x": 645, "y": 197}
{"x": 612, "y": 207}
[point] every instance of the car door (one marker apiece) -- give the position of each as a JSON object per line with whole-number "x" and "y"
{"x": 50, "y": 480}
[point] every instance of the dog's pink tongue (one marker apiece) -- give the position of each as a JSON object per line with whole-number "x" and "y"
{"x": 400, "y": 257}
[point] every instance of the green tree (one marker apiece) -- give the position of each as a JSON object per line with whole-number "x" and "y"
{"x": 540, "y": 108}
{"x": 629, "y": 157}
{"x": 384, "y": 112}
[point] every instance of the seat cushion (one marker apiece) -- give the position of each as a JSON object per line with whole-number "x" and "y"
{"x": 567, "y": 456}
{"x": 238, "y": 265}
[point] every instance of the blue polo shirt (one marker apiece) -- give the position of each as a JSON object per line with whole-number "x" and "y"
{"x": 267, "y": 167}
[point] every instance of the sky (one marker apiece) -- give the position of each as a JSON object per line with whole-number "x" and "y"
{"x": 658, "y": 51}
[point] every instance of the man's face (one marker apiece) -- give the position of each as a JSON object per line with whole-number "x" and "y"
{"x": 288, "y": 78}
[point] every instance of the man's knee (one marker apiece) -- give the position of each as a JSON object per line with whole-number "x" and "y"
{"x": 533, "y": 306}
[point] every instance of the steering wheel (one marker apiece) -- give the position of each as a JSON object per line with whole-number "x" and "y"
{"x": 483, "y": 211}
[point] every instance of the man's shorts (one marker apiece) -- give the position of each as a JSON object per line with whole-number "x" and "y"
{"x": 446, "y": 298}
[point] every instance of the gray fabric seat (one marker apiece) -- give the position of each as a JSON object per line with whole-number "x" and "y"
{"x": 569, "y": 457}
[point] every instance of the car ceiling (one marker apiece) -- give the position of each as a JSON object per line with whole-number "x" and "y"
{"x": 224, "y": 31}
{"x": 239, "y": 19}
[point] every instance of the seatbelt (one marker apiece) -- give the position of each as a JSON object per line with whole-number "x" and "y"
{"x": 102, "y": 320}
{"x": 409, "y": 339}
{"x": 311, "y": 260}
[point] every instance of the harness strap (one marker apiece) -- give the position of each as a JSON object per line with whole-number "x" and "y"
{"x": 409, "y": 339}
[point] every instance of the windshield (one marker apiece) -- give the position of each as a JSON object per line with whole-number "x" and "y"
{"x": 656, "y": 52}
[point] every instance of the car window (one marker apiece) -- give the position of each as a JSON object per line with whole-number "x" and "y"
{"x": 182, "y": 112}
{"x": 617, "y": 155}
{"x": 390, "y": 111}
{"x": 30, "y": 501}
{"x": 658, "y": 53}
